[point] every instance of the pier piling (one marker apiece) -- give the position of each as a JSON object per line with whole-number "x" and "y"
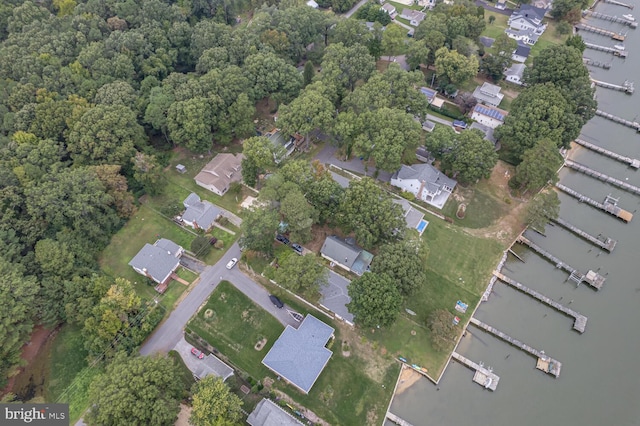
{"x": 601, "y": 176}
{"x": 590, "y": 28}
{"x": 623, "y": 21}
{"x": 483, "y": 376}
{"x": 608, "y": 244}
{"x": 615, "y": 52}
{"x": 609, "y": 206}
{"x": 619, "y": 3}
{"x": 629, "y": 161}
{"x": 633, "y": 124}
{"x": 626, "y": 87}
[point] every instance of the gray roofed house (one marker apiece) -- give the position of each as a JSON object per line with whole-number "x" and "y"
{"x": 158, "y": 261}
{"x": 425, "y": 182}
{"x": 488, "y": 115}
{"x": 521, "y": 53}
{"x": 218, "y": 174}
{"x": 340, "y": 180}
{"x": 199, "y": 214}
{"x": 486, "y": 130}
{"x": 514, "y": 74}
{"x": 488, "y": 94}
{"x": 412, "y": 216}
{"x": 413, "y": 16}
{"x": 346, "y": 255}
{"x": 428, "y": 126}
{"x": 390, "y": 10}
{"x": 422, "y": 154}
{"x": 268, "y": 413}
{"x": 299, "y": 355}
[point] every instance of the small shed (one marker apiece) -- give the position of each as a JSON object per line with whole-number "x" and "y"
{"x": 181, "y": 169}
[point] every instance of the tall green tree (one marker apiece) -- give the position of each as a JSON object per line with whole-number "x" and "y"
{"x": 454, "y": 67}
{"x": 471, "y": 157}
{"x": 539, "y": 166}
{"x": 543, "y": 208}
{"x": 308, "y": 73}
{"x": 138, "y": 390}
{"x": 190, "y": 123}
{"x": 270, "y": 76}
{"x": 148, "y": 173}
{"x": 375, "y": 300}
{"x": 417, "y": 54}
{"x": 393, "y": 39}
{"x": 302, "y": 274}
{"x": 299, "y": 215}
{"x": 214, "y": 404}
{"x": 259, "y": 230}
{"x": 404, "y": 262}
{"x": 309, "y": 111}
{"x": 443, "y": 331}
{"x": 346, "y": 65}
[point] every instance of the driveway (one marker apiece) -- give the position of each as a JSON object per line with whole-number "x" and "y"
{"x": 439, "y": 120}
{"x": 328, "y": 156}
{"x": 355, "y": 8}
{"x": 486, "y": 6}
{"x": 202, "y": 368}
{"x": 192, "y": 264}
{"x": 335, "y": 296}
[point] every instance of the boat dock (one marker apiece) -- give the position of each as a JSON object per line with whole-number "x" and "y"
{"x": 612, "y": 50}
{"x": 619, "y": 3}
{"x": 483, "y": 376}
{"x": 608, "y": 244}
{"x": 601, "y": 176}
{"x": 545, "y": 363}
{"x": 614, "y": 35}
{"x": 626, "y": 87}
{"x": 610, "y": 204}
{"x": 397, "y": 420}
{"x": 580, "y": 321}
{"x": 603, "y": 65}
{"x": 630, "y": 161}
{"x": 633, "y": 124}
{"x": 632, "y": 24}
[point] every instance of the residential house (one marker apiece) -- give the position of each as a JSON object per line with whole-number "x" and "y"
{"x": 429, "y": 93}
{"x": 429, "y": 4}
{"x": 346, "y": 254}
{"x": 428, "y": 126}
{"x": 423, "y": 155}
{"x": 514, "y": 74}
{"x": 313, "y": 4}
{"x": 523, "y": 36}
{"x": 425, "y": 182}
{"x": 489, "y": 116}
{"x": 285, "y": 145}
{"x": 501, "y": 4}
{"x": 268, "y": 413}
{"x": 488, "y": 94}
{"x": 158, "y": 261}
{"x": 390, "y": 10}
{"x": 299, "y": 356}
{"x": 525, "y": 24}
{"x": 413, "y": 16}
{"x": 486, "y": 131}
{"x": 412, "y": 217}
{"x": 199, "y": 214}
{"x": 372, "y": 26}
{"x": 218, "y": 174}
{"x": 521, "y": 53}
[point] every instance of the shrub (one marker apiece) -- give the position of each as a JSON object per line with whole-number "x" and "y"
{"x": 200, "y": 246}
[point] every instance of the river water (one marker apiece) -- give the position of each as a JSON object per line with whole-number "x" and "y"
{"x": 600, "y": 379}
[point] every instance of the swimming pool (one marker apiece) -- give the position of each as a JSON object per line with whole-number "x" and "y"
{"x": 422, "y": 226}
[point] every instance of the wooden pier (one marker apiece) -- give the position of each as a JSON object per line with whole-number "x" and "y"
{"x": 632, "y": 24}
{"x": 593, "y": 63}
{"x": 594, "y": 279}
{"x": 397, "y": 420}
{"x": 630, "y": 161}
{"x": 633, "y": 124}
{"x": 580, "y": 321}
{"x": 610, "y": 204}
{"x": 612, "y": 50}
{"x": 619, "y": 3}
{"x": 483, "y": 376}
{"x": 626, "y": 87}
{"x": 597, "y": 30}
{"x": 608, "y": 244}
{"x": 601, "y": 176}
{"x": 545, "y": 362}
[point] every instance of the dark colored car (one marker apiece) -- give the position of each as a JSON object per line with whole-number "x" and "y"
{"x": 213, "y": 240}
{"x": 277, "y": 302}
{"x": 284, "y": 240}
{"x": 197, "y": 353}
{"x": 297, "y": 247}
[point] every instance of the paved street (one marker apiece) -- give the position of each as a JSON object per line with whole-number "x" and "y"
{"x": 355, "y": 8}
{"x": 327, "y": 156}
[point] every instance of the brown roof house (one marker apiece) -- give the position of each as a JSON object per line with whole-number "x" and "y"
{"x": 218, "y": 174}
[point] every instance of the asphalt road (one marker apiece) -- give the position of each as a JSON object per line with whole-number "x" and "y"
{"x": 169, "y": 333}
{"x": 355, "y": 8}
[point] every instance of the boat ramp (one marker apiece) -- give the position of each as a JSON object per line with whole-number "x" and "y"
{"x": 610, "y": 204}
{"x": 608, "y": 244}
{"x": 633, "y": 124}
{"x": 483, "y": 376}
{"x": 545, "y": 363}
{"x": 630, "y": 161}
{"x": 601, "y": 176}
{"x": 594, "y": 279}
{"x": 598, "y": 15}
{"x": 597, "y": 30}
{"x": 615, "y": 52}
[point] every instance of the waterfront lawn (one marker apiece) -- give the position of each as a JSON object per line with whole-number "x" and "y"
{"x": 482, "y": 210}
{"x": 236, "y": 325}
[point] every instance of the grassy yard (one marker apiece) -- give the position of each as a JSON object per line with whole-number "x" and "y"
{"x": 68, "y": 358}
{"x": 215, "y": 254}
{"x": 497, "y": 27}
{"x": 482, "y": 209}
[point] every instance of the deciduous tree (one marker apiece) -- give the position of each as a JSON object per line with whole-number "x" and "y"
{"x": 454, "y": 67}
{"x": 302, "y": 274}
{"x": 214, "y": 404}
{"x": 404, "y": 262}
{"x": 543, "y": 208}
{"x": 375, "y": 300}
{"x": 443, "y": 331}
{"x": 258, "y": 230}
{"x": 299, "y": 215}
{"x": 471, "y": 157}
{"x": 539, "y": 166}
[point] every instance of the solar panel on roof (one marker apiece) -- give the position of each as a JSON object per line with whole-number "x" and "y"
{"x": 481, "y": 109}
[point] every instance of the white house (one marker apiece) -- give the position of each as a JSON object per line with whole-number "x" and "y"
{"x": 425, "y": 182}
{"x": 525, "y": 24}
{"x": 313, "y": 4}
{"x": 488, "y": 94}
{"x": 390, "y": 10}
{"x": 218, "y": 174}
{"x": 413, "y": 16}
{"x": 514, "y": 74}
{"x": 489, "y": 116}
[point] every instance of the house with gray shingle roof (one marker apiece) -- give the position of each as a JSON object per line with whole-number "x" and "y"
{"x": 268, "y": 413}
{"x": 158, "y": 261}
{"x": 413, "y": 16}
{"x": 199, "y": 214}
{"x": 220, "y": 172}
{"x": 425, "y": 182}
{"x": 346, "y": 254}
{"x": 488, "y": 94}
{"x": 299, "y": 356}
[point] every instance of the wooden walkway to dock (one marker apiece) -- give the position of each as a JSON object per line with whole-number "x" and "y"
{"x": 483, "y": 376}
{"x": 397, "y": 420}
{"x": 619, "y": 3}
{"x": 629, "y": 161}
{"x": 609, "y": 206}
{"x": 594, "y": 63}
{"x": 626, "y": 87}
{"x": 594, "y": 279}
{"x": 608, "y": 244}
{"x": 545, "y": 363}
{"x": 612, "y": 50}
{"x": 633, "y": 124}
{"x": 623, "y": 21}
{"x": 601, "y": 176}
{"x": 597, "y": 30}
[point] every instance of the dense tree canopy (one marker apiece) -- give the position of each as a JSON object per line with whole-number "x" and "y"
{"x": 404, "y": 262}
{"x": 302, "y": 274}
{"x": 471, "y": 157}
{"x": 214, "y": 404}
{"x": 455, "y": 68}
{"x": 543, "y": 208}
{"x": 375, "y": 300}
{"x": 539, "y": 166}
{"x": 259, "y": 230}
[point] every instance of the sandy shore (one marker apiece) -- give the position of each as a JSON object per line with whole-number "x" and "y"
{"x": 408, "y": 377}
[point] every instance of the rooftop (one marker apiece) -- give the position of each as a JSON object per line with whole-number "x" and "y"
{"x": 425, "y": 173}
{"x": 495, "y": 113}
{"x": 159, "y": 260}
{"x": 299, "y": 356}
{"x": 488, "y": 131}
{"x": 411, "y": 216}
{"x": 429, "y": 93}
{"x": 221, "y": 171}
{"x": 268, "y": 413}
{"x": 346, "y": 253}
{"x": 203, "y": 213}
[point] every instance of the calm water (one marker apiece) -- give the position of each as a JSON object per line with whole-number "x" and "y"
{"x": 600, "y": 380}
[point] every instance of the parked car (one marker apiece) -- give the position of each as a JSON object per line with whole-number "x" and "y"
{"x": 284, "y": 240}
{"x": 297, "y": 248}
{"x": 277, "y": 302}
{"x": 198, "y": 354}
{"x": 213, "y": 240}
{"x": 232, "y": 263}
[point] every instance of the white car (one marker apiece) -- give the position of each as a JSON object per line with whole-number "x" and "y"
{"x": 232, "y": 263}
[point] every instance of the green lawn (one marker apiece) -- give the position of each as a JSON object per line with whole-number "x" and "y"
{"x": 215, "y": 254}
{"x": 236, "y": 325}
{"x": 482, "y": 209}
{"x": 498, "y": 26}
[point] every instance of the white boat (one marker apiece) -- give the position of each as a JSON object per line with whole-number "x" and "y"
{"x": 629, "y": 17}
{"x": 619, "y": 46}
